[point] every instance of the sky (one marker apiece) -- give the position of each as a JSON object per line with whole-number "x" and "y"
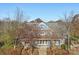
{"x": 45, "y": 11}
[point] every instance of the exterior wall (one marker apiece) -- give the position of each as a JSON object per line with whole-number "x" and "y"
{"x": 62, "y": 41}
{"x": 42, "y": 43}
{"x": 47, "y": 43}
{"x": 56, "y": 42}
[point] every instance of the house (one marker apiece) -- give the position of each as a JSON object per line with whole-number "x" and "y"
{"x": 41, "y": 35}
{"x": 44, "y": 39}
{"x": 47, "y": 38}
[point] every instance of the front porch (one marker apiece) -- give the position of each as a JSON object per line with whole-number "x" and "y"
{"x": 42, "y": 43}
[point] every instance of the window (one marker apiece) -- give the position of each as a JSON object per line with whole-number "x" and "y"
{"x": 57, "y": 42}
{"x": 43, "y": 41}
{"x": 42, "y": 33}
{"x": 40, "y": 42}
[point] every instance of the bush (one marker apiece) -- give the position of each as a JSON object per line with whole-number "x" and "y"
{"x": 74, "y": 38}
{"x": 7, "y": 39}
{"x": 64, "y": 46}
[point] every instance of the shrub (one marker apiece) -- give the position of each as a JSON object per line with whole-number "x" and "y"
{"x": 64, "y": 46}
{"x": 7, "y": 39}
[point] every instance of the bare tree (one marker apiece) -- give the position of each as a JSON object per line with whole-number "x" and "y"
{"x": 68, "y": 23}
{"x": 75, "y": 25}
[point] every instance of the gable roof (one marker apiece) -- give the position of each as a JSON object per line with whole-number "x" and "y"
{"x": 58, "y": 28}
{"x": 37, "y": 20}
{"x": 43, "y": 27}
